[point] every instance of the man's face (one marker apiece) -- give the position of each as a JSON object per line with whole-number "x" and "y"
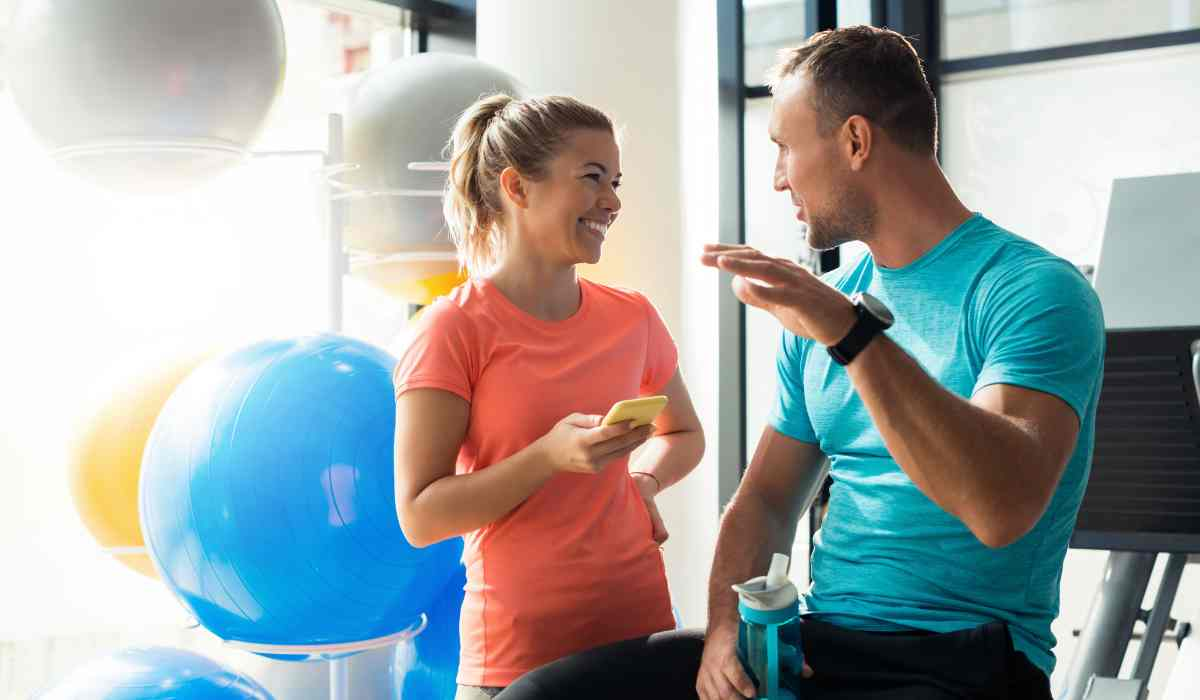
{"x": 813, "y": 170}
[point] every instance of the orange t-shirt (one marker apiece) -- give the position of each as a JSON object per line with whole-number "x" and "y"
{"x": 574, "y": 566}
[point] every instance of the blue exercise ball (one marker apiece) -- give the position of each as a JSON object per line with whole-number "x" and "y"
{"x": 267, "y": 501}
{"x": 154, "y": 673}
{"x": 426, "y": 667}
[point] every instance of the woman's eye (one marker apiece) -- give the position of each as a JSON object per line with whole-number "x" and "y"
{"x": 594, "y": 175}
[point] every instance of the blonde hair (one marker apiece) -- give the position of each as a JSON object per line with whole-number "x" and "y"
{"x": 497, "y": 132}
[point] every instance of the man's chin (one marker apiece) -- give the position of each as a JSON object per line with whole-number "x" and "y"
{"x": 818, "y": 242}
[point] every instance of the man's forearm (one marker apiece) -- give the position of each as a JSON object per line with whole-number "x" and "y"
{"x": 749, "y": 534}
{"x": 972, "y": 462}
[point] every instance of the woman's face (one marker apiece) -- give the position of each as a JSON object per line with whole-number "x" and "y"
{"x": 570, "y": 209}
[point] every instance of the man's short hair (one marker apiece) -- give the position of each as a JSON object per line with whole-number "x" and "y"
{"x": 868, "y": 71}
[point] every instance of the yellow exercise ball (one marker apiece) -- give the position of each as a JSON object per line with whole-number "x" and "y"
{"x": 422, "y": 292}
{"x": 106, "y": 458}
{"x": 415, "y": 281}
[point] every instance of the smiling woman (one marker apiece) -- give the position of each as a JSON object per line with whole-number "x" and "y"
{"x": 561, "y": 531}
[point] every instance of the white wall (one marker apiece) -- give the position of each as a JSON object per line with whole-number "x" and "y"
{"x": 641, "y": 71}
{"x": 692, "y": 506}
{"x": 592, "y": 51}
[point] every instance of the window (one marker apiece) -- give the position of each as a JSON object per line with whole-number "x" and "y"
{"x": 988, "y": 27}
{"x": 771, "y": 25}
{"x": 1076, "y": 125}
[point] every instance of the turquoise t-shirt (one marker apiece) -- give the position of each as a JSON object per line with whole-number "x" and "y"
{"x": 982, "y": 307}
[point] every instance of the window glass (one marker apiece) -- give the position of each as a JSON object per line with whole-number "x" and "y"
{"x": 987, "y": 27}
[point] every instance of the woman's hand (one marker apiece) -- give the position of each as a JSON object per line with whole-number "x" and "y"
{"x": 647, "y": 487}
{"x": 579, "y": 444}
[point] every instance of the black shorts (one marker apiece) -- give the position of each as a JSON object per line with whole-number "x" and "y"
{"x": 975, "y": 664}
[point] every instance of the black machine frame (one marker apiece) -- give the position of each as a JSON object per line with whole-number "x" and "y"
{"x": 1144, "y": 491}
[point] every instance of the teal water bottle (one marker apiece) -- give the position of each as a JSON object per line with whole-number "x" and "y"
{"x": 767, "y": 604}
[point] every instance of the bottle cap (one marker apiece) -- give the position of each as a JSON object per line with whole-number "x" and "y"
{"x": 770, "y": 592}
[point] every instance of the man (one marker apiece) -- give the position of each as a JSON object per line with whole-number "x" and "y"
{"x": 950, "y": 376}
{"x": 959, "y": 436}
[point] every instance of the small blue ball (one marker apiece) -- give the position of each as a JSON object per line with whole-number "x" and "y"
{"x": 155, "y": 673}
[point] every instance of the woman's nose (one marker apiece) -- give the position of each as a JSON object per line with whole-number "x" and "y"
{"x": 610, "y": 201}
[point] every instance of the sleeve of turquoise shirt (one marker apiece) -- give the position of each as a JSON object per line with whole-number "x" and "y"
{"x": 790, "y": 415}
{"x": 1041, "y": 327}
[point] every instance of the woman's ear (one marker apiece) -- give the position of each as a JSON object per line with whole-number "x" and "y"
{"x": 513, "y": 186}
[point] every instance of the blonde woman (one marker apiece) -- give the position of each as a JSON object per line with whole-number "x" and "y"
{"x": 501, "y": 390}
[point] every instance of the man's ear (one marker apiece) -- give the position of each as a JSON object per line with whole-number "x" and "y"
{"x": 858, "y": 137}
{"x": 513, "y": 187}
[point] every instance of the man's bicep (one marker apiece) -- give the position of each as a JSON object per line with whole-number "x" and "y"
{"x": 1043, "y": 332}
{"x": 1048, "y": 417}
{"x": 785, "y": 473}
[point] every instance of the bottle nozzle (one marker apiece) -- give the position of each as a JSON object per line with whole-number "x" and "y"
{"x": 777, "y": 574}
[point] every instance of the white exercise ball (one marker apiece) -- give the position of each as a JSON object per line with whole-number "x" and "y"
{"x": 146, "y": 96}
{"x": 403, "y": 113}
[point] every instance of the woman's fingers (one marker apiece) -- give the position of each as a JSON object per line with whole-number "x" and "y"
{"x": 658, "y": 529}
{"x": 622, "y": 444}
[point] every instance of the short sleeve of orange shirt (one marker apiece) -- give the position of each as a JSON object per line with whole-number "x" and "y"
{"x": 574, "y": 566}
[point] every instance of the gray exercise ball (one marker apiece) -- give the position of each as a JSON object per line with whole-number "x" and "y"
{"x": 403, "y": 113}
{"x": 142, "y": 95}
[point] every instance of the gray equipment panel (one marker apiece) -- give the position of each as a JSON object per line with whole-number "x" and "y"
{"x": 1148, "y": 275}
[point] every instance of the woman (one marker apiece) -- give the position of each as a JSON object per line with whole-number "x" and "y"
{"x": 502, "y": 387}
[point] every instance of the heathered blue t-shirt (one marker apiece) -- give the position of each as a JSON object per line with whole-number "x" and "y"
{"x": 982, "y": 307}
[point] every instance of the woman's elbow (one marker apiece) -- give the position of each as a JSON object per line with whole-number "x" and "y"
{"x": 415, "y": 532}
{"x": 695, "y": 443}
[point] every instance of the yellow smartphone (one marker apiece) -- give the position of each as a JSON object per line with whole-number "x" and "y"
{"x": 641, "y": 411}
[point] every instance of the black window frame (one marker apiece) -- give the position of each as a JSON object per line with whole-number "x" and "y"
{"x": 454, "y": 18}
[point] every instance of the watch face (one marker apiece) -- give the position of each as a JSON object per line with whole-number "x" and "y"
{"x": 877, "y": 309}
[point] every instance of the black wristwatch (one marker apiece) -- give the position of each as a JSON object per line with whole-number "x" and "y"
{"x": 873, "y": 319}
